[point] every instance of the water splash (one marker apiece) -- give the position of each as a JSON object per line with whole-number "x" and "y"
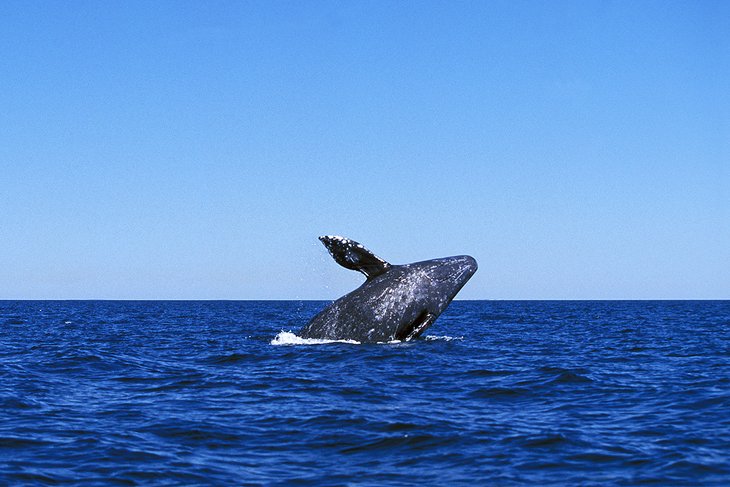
{"x": 289, "y": 338}
{"x": 445, "y": 338}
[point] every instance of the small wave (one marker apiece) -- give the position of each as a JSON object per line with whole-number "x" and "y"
{"x": 444, "y": 338}
{"x": 490, "y": 392}
{"x": 289, "y": 338}
{"x": 489, "y": 373}
{"x": 230, "y": 358}
{"x": 545, "y": 440}
{"x": 422, "y": 441}
{"x": 570, "y": 378}
{"x": 11, "y": 442}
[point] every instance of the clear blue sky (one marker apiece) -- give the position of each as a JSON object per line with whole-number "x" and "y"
{"x": 195, "y": 150}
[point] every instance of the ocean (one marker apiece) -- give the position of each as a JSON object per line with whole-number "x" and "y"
{"x": 495, "y": 393}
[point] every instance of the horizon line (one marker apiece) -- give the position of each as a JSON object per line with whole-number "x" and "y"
{"x": 330, "y": 300}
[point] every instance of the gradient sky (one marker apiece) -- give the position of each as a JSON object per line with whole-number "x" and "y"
{"x": 195, "y": 150}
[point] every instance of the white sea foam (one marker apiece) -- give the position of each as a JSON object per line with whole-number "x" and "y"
{"x": 289, "y": 338}
{"x": 444, "y": 338}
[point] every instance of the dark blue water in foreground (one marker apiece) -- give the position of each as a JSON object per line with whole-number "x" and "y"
{"x": 509, "y": 393}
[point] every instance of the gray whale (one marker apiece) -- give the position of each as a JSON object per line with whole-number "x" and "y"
{"x": 396, "y": 302}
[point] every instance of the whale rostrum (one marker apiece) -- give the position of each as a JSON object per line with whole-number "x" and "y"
{"x": 396, "y": 302}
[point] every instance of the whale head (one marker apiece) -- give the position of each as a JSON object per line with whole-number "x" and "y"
{"x": 414, "y": 295}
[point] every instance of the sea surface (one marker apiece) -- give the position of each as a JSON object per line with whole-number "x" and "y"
{"x": 496, "y": 393}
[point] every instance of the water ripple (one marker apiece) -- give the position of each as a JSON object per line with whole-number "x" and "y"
{"x": 502, "y": 393}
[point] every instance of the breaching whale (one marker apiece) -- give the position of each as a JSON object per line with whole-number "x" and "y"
{"x": 396, "y": 302}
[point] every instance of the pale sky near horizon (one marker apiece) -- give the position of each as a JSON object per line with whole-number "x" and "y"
{"x": 195, "y": 150}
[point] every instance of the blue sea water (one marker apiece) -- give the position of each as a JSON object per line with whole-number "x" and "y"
{"x": 500, "y": 393}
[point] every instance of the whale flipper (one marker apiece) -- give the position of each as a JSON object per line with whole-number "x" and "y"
{"x": 352, "y": 255}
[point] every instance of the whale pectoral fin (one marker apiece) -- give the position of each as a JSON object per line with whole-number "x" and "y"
{"x": 423, "y": 321}
{"x": 352, "y": 255}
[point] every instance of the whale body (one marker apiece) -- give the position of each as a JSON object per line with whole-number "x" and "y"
{"x": 396, "y": 302}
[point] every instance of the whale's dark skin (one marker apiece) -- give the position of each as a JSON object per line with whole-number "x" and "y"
{"x": 397, "y": 302}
